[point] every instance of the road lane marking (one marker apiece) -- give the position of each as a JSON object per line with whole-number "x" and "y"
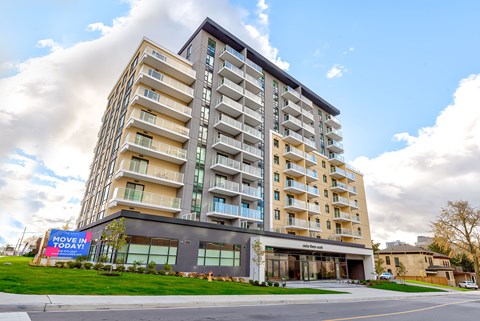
{"x": 14, "y": 316}
{"x": 400, "y": 312}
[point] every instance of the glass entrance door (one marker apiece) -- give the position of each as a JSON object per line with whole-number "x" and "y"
{"x": 304, "y": 271}
{"x": 275, "y": 269}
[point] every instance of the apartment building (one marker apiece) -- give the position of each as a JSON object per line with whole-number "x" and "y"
{"x": 207, "y": 150}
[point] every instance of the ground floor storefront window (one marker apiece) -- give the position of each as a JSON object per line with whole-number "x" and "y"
{"x": 302, "y": 266}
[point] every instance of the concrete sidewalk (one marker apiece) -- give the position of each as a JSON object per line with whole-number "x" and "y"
{"x": 17, "y": 302}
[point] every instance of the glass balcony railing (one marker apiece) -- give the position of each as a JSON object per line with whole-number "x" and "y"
{"x": 147, "y": 198}
{"x": 233, "y": 69}
{"x": 226, "y": 185}
{"x": 156, "y": 146}
{"x": 187, "y": 70}
{"x": 295, "y": 167}
{"x": 230, "y": 121}
{"x": 230, "y": 102}
{"x": 231, "y": 84}
{"x": 294, "y": 184}
{"x": 310, "y": 157}
{"x": 181, "y": 108}
{"x": 249, "y": 190}
{"x": 223, "y": 208}
{"x": 292, "y": 91}
{"x": 159, "y": 122}
{"x": 227, "y": 141}
{"x": 311, "y": 173}
{"x": 234, "y": 52}
{"x": 250, "y": 213}
{"x": 152, "y": 171}
{"x": 254, "y": 66}
{"x": 167, "y": 80}
{"x": 343, "y": 231}
{"x": 312, "y": 190}
{"x": 313, "y": 207}
{"x": 296, "y": 222}
{"x": 293, "y": 150}
{"x": 252, "y": 150}
{"x": 295, "y": 203}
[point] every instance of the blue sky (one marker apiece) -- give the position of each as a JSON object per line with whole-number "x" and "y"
{"x": 391, "y": 67}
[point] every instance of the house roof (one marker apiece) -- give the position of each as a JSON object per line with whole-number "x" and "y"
{"x": 404, "y": 249}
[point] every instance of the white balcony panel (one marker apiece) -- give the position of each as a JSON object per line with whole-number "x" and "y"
{"x": 253, "y": 101}
{"x": 134, "y": 198}
{"x": 166, "y": 84}
{"x": 343, "y": 232}
{"x": 314, "y": 226}
{"x": 292, "y": 137}
{"x": 336, "y": 159}
{"x": 227, "y": 144}
{"x": 231, "y": 55}
{"x": 168, "y": 65}
{"x": 334, "y": 134}
{"x": 231, "y": 72}
{"x": 251, "y": 135}
{"x": 291, "y": 122}
{"x": 228, "y": 125}
{"x": 227, "y": 188}
{"x": 310, "y": 159}
{"x": 311, "y": 191}
{"x": 296, "y": 224}
{"x": 154, "y": 149}
{"x": 162, "y": 104}
{"x": 158, "y": 125}
{"x": 253, "y": 69}
{"x": 229, "y": 88}
{"x": 308, "y": 115}
{"x": 251, "y": 153}
{"x": 339, "y": 187}
{"x": 250, "y": 193}
{"x": 338, "y": 173}
{"x": 333, "y": 122}
{"x": 307, "y": 103}
{"x": 292, "y": 109}
{"x": 309, "y": 144}
{"x": 308, "y": 131}
{"x": 313, "y": 209}
{"x": 335, "y": 146}
{"x": 229, "y": 106}
{"x": 253, "y": 84}
{"x": 294, "y": 187}
{"x": 251, "y": 173}
{"x": 343, "y": 217}
{"x": 252, "y": 117}
{"x": 340, "y": 201}
{"x": 291, "y": 94}
{"x": 293, "y": 154}
{"x": 150, "y": 174}
{"x": 226, "y": 165}
{"x": 311, "y": 175}
{"x": 294, "y": 170}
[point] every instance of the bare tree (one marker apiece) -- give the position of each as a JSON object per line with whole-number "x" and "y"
{"x": 401, "y": 271}
{"x": 458, "y": 224}
{"x": 114, "y": 236}
{"x": 258, "y": 259}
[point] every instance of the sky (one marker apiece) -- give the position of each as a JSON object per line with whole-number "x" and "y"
{"x": 404, "y": 74}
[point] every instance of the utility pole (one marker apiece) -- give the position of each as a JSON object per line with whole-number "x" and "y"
{"x": 19, "y": 242}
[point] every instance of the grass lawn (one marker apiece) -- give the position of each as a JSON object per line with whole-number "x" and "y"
{"x": 439, "y": 286}
{"x": 392, "y": 286}
{"x": 23, "y": 279}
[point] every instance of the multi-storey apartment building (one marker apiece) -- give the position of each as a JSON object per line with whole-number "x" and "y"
{"x": 209, "y": 149}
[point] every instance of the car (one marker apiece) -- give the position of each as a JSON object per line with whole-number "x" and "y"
{"x": 468, "y": 285}
{"x": 386, "y": 276}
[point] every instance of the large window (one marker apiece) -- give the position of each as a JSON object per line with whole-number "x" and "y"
{"x": 150, "y": 249}
{"x": 218, "y": 254}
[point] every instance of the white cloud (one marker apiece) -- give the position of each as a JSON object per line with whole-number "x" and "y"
{"x": 348, "y": 50}
{"x": 407, "y": 188}
{"x": 52, "y": 108}
{"x": 336, "y": 71}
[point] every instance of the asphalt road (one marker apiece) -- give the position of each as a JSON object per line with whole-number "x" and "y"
{"x": 451, "y": 308}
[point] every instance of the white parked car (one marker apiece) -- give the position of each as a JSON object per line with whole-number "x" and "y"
{"x": 387, "y": 276}
{"x": 468, "y": 285}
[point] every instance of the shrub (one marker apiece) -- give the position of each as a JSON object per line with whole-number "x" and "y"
{"x": 219, "y": 278}
{"x": 167, "y": 267}
{"x": 263, "y": 284}
{"x": 172, "y": 273}
{"x": 241, "y": 280}
{"x": 203, "y": 276}
{"x": 137, "y": 263}
{"x": 103, "y": 258}
{"x": 250, "y": 281}
{"x": 141, "y": 269}
{"x": 106, "y": 267}
{"x": 81, "y": 258}
{"x": 152, "y": 271}
{"x": 182, "y": 274}
{"x": 120, "y": 268}
{"x": 270, "y": 283}
{"x": 234, "y": 279}
{"x": 98, "y": 266}
{"x": 59, "y": 264}
{"x": 276, "y": 284}
{"x": 193, "y": 275}
{"x": 152, "y": 265}
{"x": 88, "y": 265}
{"x": 255, "y": 283}
{"x": 132, "y": 268}
{"x": 162, "y": 272}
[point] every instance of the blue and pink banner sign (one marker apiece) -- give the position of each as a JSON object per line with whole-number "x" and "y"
{"x": 68, "y": 243}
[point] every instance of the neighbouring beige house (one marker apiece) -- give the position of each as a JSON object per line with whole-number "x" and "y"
{"x": 461, "y": 276}
{"x": 415, "y": 259}
{"x": 441, "y": 268}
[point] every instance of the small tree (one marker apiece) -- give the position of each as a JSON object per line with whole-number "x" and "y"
{"x": 401, "y": 271}
{"x": 114, "y": 236}
{"x": 258, "y": 259}
{"x": 379, "y": 268}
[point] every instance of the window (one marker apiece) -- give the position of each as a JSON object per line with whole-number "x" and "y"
{"x": 139, "y": 165}
{"x": 275, "y": 143}
{"x": 189, "y": 52}
{"x": 134, "y": 192}
{"x": 387, "y": 260}
{"x": 397, "y": 261}
{"x": 146, "y": 249}
{"x": 211, "y": 47}
{"x": 324, "y": 165}
{"x": 218, "y": 254}
{"x": 276, "y": 160}
{"x": 325, "y": 193}
{"x": 325, "y": 178}
{"x": 276, "y": 177}
{"x": 329, "y": 225}
{"x": 327, "y": 209}
{"x": 276, "y": 214}
{"x": 276, "y": 195}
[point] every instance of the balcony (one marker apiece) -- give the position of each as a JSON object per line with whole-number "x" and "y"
{"x": 162, "y": 127}
{"x": 253, "y": 101}
{"x": 149, "y": 173}
{"x": 162, "y": 104}
{"x": 251, "y": 153}
{"x": 311, "y": 191}
{"x": 231, "y": 72}
{"x": 250, "y": 193}
{"x": 251, "y": 173}
{"x": 310, "y": 159}
{"x": 313, "y": 209}
{"x": 335, "y": 146}
{"x": 314, "y": 226}
{"x": 291, "y": 122}
{"x": 154, "y": 149}
{"x": 229, "y": 88}
{"x": 307, "y": 114}
{"x": 294, "y": 187}
{"x": 335, "y": 159}
{"x": 354, "y": 205}
{"x": 226, "y": 165}
{"x": 222, "y": 210}
{"x": 253, "y": 84}
{"x": 311, "y": 175}
{"x": 153, "y": 201}
{"x": 228, "y": 125}
{"x": 249, "y": 214}
{"x": 291, "y": 94}
{"x": 333, "y": 122}
{"x": 252, "y": 117}
{"x": 168, "y": 65}
{"x": 227, "y": 188}
{"x": 292, "y": 109}
{"x": 352, "y": 190}
{"x": 339, "y": 187}
{"x": 340, "y": 201}
{"x": 332, "y": 133}
{"x": 292, "y": 137}
{"x": 309, "y": 144}
{"x": 308, "y": 130}
{"x": 252, "y": 135}
{"x": 227, "y": 144}
{"x": 294, "y": 170}
{"x": 166, "y": 84}
{"x": 339, "y": 231}
{"x": 357, "y": 234}
{"x": 295, "y": 205}
{"x": 296, "y": 224}
{"x": 338, "y": 173}
{"x": 306, "y": 102}
{"x": 293, "y": 153}
{"x": 231, "y": 55}
{"x": 254, "y": 69}
{"x": 350, "y": 176}
{"x": 229, "y": 106}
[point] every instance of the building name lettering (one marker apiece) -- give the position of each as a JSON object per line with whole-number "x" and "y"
{"x": 312, "y": 246}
